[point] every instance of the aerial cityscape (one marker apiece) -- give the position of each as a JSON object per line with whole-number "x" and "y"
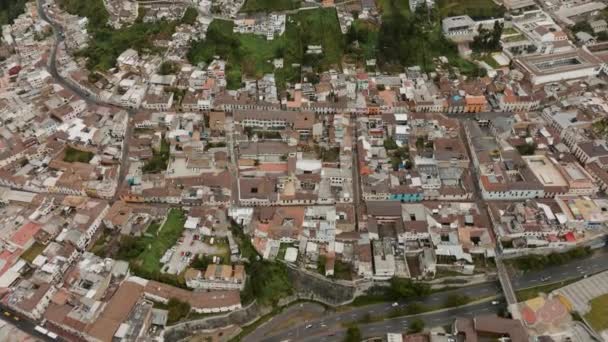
{"x": 304, "y": 170}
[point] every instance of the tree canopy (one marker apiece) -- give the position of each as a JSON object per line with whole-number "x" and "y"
{"x": 11, "y": 9}
{"x": 488, "y": 40}
{"x": 353, "y": 334}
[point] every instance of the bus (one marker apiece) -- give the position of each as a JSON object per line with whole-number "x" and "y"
{"x": 41, "y": 330}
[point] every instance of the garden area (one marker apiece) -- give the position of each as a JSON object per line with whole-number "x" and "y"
{"x": 328, "y": 155}
{"x": 245, "y": 53}
{"x": 252, "y": 55}
{"x": 598, "y": 316}
{"x": 534, "y": 262}
{"x": 400, "y": 288}
{"x": 160, "y": 159}
{"x": 177, "y": 310}
{"x": 476, "y": 9}
{"x": 72, "y": 155}
{"x": 399, "y": 156}
{"x": 362, "y": 40}
{"x": 269, "y": 5}
{"x": 268, "y": 281}
{"x": 408, "y": 39}
{"x": 388, "y": 7}
{"x": 31, "y": 253}
{"x": 144, "y": 253}
{"x": 100, "y": 247}
{"x": 107, "y": 43}
{"x": 489, "y": 60}
{"x": 600, "y": 128}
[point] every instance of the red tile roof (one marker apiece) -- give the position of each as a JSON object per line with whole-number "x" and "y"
{"x": 25, "y": 234}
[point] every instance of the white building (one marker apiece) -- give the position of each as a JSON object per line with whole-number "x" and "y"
{"x": 134, "y": 97}
{"x": 542, "y": 69}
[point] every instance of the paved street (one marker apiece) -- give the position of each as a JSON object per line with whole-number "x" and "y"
{"x": 296, "y": 314}
{"x": 52, "y": 64}
{"x": 332, "y": 330}
{"x": 232, "y": 167}
{"x": 322, "y": 325}
{"x": 52, "y": 69}
{"x": 577, "y": 268}
{"x": 571, "y": 270}
{"x": 22, "y": 323}
{"x": 355, "y": 168}
{"x": 382, "y": 309}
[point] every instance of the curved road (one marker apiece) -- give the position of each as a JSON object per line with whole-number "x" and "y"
{"x": 52, "y": 64}
{"x": 336, "y": 332}
{"x": 52, "y": 69}
{"x": 326, "y": 325}
{"x": 329, "y": 326}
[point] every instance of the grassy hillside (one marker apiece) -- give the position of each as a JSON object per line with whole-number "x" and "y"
{"x": 11, "y": 9}
{"x": 252, "y": 55}
{"x": 106, "y": 43}
{"x": 269, "y": 5}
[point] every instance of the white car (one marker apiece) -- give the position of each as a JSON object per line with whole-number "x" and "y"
{"x": 395, "y": 304}
{"x": 495, "y": 302}
{"x": 309, "y": 326}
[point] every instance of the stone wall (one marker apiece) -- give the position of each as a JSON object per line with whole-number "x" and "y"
{"x": 242, "y": 317}
{"x": 316, "y": 287}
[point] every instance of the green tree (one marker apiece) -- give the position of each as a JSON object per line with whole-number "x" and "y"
{"x": 201, "y": 262}
{"x": 190, "y": 16}
{"x": 415, "y": 308}
{"x": 353, "y": 334}
{"x": 535, "y": 262}
{"x": 219, "y": 41}
{"x": 487, "y": 40}
{"x": 321, "y": 264}
{"x": 420, "y": 143}
{"x": 167, "y": 68}
{"x": 406, "y": 288}
{"x": 268, "y": 283}
{"x": 390, "y": 144}
{"x": 582, "y": 26}
{"x": 455, "y": 300}
{"x": 414, "y": 39}
{"x": 11, "y": 9}
{"x": 107, "y": 43}
{"x": 130, "y": 247}
{"x": 177, "y": 310}
{"x": 416, "y": 326}
{"x": 526, "y": 149}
